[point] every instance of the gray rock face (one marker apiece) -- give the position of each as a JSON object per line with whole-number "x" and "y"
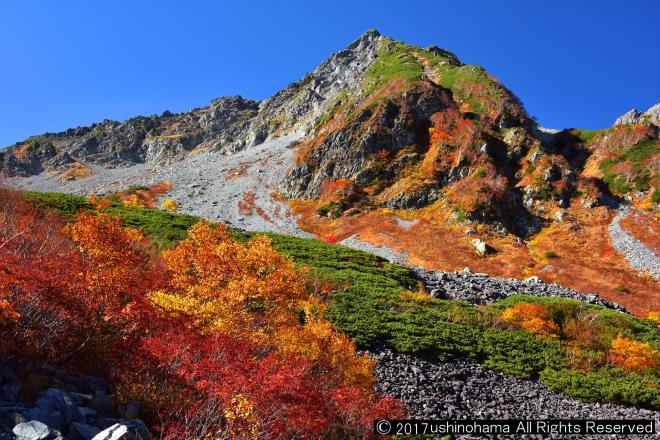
{"x": 31, "y": 431}
{"x": 349, "y": 152}
{"x": 634, "y": 116}
{"x": 228, "y": 124}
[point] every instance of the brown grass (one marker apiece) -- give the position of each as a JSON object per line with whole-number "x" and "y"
{"x": 585, "y": 260}
{"x": 645, "y": 227}
{"x": 247, "y": 205}
{"x": 235, "y": 173}
{"x": 149, "y": 197}
{"x": 75, "y": 171}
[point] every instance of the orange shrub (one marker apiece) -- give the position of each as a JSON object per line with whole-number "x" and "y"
{"x": 531, "y": 317}
{"x": 632, "y": 355}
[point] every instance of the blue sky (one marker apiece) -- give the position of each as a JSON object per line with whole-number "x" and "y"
{"x": 68, "y": 63}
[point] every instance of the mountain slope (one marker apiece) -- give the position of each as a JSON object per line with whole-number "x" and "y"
{"x": 385, "y": 143}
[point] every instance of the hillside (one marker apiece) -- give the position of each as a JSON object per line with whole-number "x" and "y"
{"x": 398, "y": 148}
{"x": 542, "y": 350}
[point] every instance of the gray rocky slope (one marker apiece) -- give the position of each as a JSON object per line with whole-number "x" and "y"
{"x": 464, "y": 389}
{"x": 228, "y": 124}
{"x": 638, "y": 255}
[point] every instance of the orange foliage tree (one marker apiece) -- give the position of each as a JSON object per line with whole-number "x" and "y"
{"x": 633, "y": 355}
{"x": 531, "y": 317}
{"x": 218, "y": 339}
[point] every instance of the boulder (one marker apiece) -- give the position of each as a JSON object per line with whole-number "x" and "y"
{"x": 127, "y": 430}
{"x": 132, "y": 410}
{"x": 33, "y": 430}
{"x": 481, "y": 247}
{"x": 54, "y": 408}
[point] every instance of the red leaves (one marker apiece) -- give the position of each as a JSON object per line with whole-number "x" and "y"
{"x": 81, "y": 297}
{"x": 285, "y": 397}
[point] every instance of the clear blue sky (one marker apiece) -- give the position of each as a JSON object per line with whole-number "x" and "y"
{"x": 65, "y": 63}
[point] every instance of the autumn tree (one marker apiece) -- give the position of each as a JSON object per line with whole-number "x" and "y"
{"x": 633, "y": 355}
{"x": 531, "y": 317}
{"x": 252, "y": 290}
{"x": 230, "y": 286}
{"x": 169, "y": 205}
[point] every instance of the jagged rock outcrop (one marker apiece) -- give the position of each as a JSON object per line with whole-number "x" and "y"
{"x": 634, "y": 116}
{"x": 227, "y": 124}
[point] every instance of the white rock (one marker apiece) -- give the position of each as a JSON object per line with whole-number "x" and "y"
{"x": 31, "y": 431}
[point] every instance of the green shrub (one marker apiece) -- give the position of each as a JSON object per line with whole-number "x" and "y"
{"x": 518, "y": 353}
{"x": 606, "y": 385}
{"x": 550, "y": 254}
{"x": 655, "y": 197}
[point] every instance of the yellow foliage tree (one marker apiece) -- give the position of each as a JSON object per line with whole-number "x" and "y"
{"x": 133, "y": 200}
{"x": 317, "y": 339}
{"x": 633, "y": 355}
{"x": 169, "y": 205}
{"x": 227, "y": 285}
{"x": 252, "y": 290}
{"x": 98, "y": 203}
{"x": 531, "y": 317}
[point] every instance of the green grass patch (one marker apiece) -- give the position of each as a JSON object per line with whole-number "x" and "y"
{"x": 394, "y": 61}
{"x": 587, "y": 136}
{"x": 638, "y": 157}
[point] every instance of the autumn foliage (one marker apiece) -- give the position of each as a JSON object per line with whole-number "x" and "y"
{"x": 530, "y": 317}
{"x": 216, "y": 338}
{"x": 632, "y": 355}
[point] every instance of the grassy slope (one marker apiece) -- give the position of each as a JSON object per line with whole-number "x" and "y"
{"x": 374, "y": 304}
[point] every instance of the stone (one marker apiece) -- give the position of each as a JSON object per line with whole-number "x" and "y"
{"x": 52, "y": 418}
{"x": 87, "y": 412}
{"x": 132, "y": 410}
{"x": 128, "y": 430}
{"x": 481, "y": 247}
{"x": 32, "y": 430}
{"x": 54, "y": 401}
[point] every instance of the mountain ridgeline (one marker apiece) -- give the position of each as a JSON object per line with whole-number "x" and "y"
{"x": 387, "y": 125}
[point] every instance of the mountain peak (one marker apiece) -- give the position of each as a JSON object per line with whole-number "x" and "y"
{"x": 634, "y": 116}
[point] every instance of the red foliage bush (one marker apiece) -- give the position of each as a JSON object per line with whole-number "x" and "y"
{"x": 78, "y": 296}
